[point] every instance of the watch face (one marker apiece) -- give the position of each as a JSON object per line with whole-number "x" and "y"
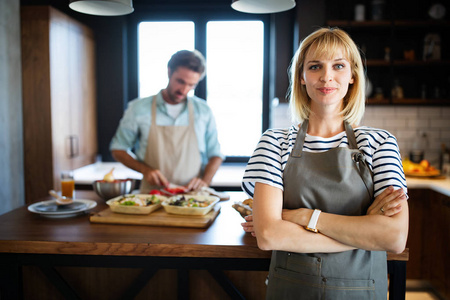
{"x": 437, "y": 11}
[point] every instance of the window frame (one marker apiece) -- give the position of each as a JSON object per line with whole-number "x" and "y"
{"x": 200, "y": 16}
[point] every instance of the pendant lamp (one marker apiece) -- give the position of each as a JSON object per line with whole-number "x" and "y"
{"x": 102, "y": 7}
{"x": 262, "y": 6}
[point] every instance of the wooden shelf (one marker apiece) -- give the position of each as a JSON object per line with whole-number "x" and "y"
{"x": 406, "y": 63}
{"x": 415, "y": 63}
{"x": 421, "y": 23}
{"x": 421, "y": 101}
{"x": 377, "y": 63}
{"x": 347, "y": 23}
{"x": 388, "y": 23}
{"x": 378, "y": 101}
{"x": 406, "y": 101}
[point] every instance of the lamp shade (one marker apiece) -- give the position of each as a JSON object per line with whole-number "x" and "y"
{"x": 102, "y": 7}
{"x": 262, "y": 6}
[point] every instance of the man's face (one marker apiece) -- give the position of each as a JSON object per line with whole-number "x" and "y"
{"x": 181, "y": 81}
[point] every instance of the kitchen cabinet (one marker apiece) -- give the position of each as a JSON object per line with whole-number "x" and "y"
{"x": 403, "y": 46}
{"x": 429, "y": 231}
{"x": 59, "y": 103}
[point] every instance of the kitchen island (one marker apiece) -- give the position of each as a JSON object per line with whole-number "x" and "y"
{"x": 77, "y": 259}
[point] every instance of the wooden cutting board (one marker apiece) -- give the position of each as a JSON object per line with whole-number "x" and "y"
{"x": 156, "y": 218}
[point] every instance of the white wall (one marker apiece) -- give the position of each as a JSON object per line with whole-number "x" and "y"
{"x": 404, "y": 122}
{"x": 11, "y": 141}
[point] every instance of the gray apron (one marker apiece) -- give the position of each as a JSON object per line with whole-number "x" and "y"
{"x": 337, "y": 181}
{"x": 173, "y": 150}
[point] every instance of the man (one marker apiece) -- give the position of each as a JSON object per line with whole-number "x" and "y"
{"x": 175, "y": 135}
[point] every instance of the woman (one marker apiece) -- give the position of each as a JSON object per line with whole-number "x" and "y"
{"x": 329, "y": 196}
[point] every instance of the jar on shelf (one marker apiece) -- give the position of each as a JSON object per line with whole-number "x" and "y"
{"x": 378, "y": 10}
{"x": 432, "y": 47}
{"x": 397, "y": 90}
{"x": 423, "y": 91}
{"x": 379, "y": 95}
{"x": 387, "y": 54}
{"x": 360, "y": 12}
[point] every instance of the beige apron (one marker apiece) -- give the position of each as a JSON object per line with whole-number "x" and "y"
{"x": 173, "y": 150}
{"x": 337, "y": 181}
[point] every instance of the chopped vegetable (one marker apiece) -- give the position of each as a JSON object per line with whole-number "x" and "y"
{"x": 190, "y": 202}
{"x": 152, "y": 200}
{"x": 134, "y": 200}
{"x": 128, "y": 203}
{"x": 155, "y": 192}
{"x": 176, "y": 190}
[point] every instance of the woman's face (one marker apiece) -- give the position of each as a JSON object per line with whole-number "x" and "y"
{"x": 326, "y": 79}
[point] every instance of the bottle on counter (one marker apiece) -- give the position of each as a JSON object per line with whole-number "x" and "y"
{"x": 444, "y": 160}
{"x": 419, "y": 146}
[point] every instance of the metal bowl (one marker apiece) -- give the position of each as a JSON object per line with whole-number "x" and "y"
{"x": 108, "y": 190}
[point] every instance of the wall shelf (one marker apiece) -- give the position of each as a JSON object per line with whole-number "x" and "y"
{"x": 394, "y": 47}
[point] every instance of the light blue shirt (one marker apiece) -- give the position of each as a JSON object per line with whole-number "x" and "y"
{"x": 135, "y": 125}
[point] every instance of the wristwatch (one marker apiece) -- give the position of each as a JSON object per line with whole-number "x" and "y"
{"x": 313, "y": 221}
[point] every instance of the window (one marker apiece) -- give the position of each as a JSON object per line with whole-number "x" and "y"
{"x": 157, "y": 42}
{"x": 235, "y": 51}
{"x": 234, "y": 83}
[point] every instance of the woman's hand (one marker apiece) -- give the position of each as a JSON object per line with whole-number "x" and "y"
{"x": 248, "y": 225}
{"x": 388, "y": 203}
{"x": 298, "y": 216}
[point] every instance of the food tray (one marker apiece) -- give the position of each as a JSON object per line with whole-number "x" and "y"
{"x": 245, "y": 208}
{"x": 191, "y": 211}
{"x": 135, "y": 210}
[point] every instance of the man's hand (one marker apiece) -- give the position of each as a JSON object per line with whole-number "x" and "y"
{"x": 195, "y": 184}
{"x": 155, "y": 177}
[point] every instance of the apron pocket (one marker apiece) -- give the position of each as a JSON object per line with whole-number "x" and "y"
{"x": 301, "y": 263}
{"x": 286, "y": 284}
{"x": 348, "y": 289}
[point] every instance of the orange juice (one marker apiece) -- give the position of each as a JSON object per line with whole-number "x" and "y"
{"x": 67, "y": 187}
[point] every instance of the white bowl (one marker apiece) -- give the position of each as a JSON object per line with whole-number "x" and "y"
{"x": 135, "y": 210}
{"x": 189, "y": 210}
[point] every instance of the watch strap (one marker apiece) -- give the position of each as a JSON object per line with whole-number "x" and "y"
{"x": 313, "y": 221}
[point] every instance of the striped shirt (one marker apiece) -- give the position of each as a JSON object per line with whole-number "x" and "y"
{"x": 272, "y": 152}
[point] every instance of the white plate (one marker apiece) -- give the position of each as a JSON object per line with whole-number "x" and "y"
{"x": 135, "y": 210}
{"x": 82, "y": 205}
{"x": 192, "y": 211}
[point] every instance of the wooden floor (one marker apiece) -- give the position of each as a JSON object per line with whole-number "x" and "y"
{"x": 420, "y": 296}
{"x": 417, "y": 290}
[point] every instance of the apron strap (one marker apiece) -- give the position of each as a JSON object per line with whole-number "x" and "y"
{"x": 359, "y": 158}
{"x": 301, "y": 134}
{"x": 191, "y": 113}
{"x": 350, "y": 136}
{"x": 154, "y": 111}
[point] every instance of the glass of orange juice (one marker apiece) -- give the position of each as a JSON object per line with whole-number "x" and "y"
{"x": 67, "y": 184}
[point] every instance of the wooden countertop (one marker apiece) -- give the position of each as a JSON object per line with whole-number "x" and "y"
{"x": 440, "y": 185}
{"x": 24, "y": 232}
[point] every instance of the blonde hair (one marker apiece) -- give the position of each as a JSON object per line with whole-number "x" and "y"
{"x": 325, "y": 42}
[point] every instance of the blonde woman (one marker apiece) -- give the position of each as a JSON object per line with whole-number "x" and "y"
{"x": 329, "y": 195}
